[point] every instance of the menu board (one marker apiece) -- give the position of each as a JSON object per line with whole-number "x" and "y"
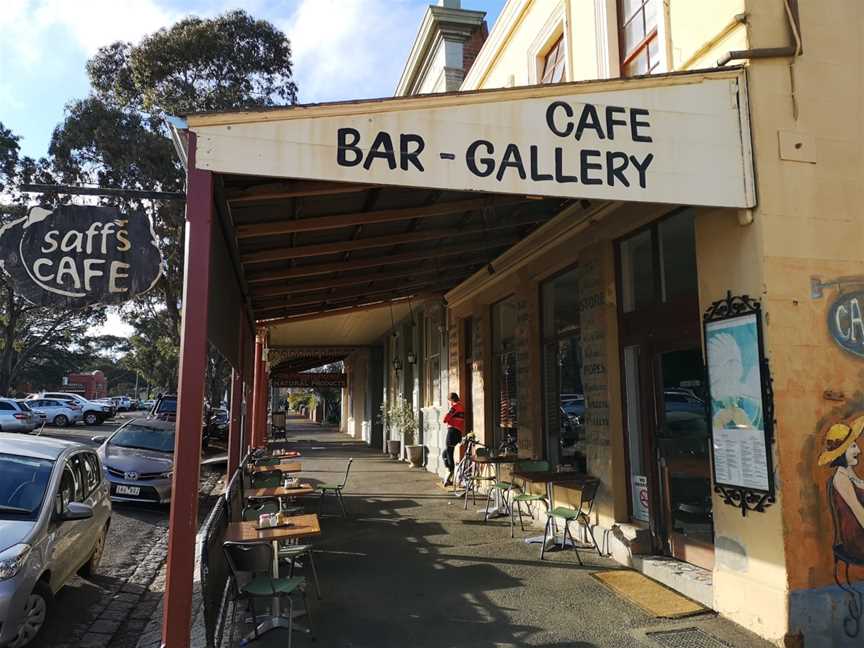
{"x": 737, "y": 416}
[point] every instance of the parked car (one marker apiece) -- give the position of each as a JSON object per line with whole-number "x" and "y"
{"x": 54, "y": 518}
{"x": 139, "y": 460}
{"x": 94, "y": 413}
{"x": 219, "y": 423}
{"x": 16, "y": 417}
{"x": 122, "y": 403}
{"x": 134, "y": 404}
{"x": 147, "y": 404}
{"x": 165, "y": 409}
{"x": 56, "y": 412}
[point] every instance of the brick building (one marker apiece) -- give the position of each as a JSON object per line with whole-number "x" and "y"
{"x": 90, "y": 385}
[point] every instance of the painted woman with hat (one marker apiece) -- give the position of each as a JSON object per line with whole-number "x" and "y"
{"x": 847, "y": 489}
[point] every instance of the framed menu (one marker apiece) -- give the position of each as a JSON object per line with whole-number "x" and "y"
{"x": 741, "y": 403}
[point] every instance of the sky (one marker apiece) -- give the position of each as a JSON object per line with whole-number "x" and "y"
{"x": 342, "y": 49}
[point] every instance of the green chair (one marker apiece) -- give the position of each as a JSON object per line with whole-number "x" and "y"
{"x": 268, "y": 479}
{"x": 293, "y": 553}
{"x": 268, "y": 461}
{"x": 324, "y": 489}
{"x": 250, "y": 513}
{"x": 516, "y": 500}
{"x": 256, "y": 560}
{"x": 580, "y": 515}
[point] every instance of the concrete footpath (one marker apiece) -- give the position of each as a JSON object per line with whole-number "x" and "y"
{"x": 410, "y": 567}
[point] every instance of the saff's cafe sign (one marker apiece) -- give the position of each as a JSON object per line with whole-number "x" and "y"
{"x": 76, "y": 255}
{"x": 680, "y": 139}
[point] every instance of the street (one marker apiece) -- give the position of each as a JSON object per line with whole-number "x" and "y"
{"x": 116, "y": 603}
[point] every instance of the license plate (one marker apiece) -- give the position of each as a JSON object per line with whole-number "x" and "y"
{"x": 128, "y": 490}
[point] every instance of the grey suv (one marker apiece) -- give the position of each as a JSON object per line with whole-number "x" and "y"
{"x": 54, "y": 516}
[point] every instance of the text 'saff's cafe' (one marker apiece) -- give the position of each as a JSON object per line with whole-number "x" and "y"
{"x": 562, "y": 164}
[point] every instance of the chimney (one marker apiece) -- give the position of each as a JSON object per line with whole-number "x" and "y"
{"x": 450, "y": 4}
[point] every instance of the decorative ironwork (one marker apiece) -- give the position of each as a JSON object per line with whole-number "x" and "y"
{"x": 744, "y": 497}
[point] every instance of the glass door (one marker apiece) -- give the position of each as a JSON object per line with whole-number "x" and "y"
{"x": 683, "y": 464}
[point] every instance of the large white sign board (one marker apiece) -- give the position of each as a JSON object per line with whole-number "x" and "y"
{"x": 682, "y": 140}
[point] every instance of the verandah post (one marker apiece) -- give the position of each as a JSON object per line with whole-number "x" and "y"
{"x": 177, "y": 614}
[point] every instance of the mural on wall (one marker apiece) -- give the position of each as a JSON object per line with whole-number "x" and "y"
{"x": 846, "y": 312}
{"x": 845, "y": 489}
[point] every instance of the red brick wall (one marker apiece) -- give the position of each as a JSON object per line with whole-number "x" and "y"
{"x": 472, "y": 47}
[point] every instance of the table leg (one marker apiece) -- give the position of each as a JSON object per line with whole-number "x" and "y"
{"x": 276, "y": 620}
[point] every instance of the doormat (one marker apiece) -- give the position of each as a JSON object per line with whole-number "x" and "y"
{"x": 656, "y": 599}
{"x": 686, "y": 638}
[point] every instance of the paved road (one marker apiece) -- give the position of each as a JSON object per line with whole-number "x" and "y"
{"x": 116, "y": 602}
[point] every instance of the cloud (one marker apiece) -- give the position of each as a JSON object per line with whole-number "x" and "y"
{"x": 347, "y": 49}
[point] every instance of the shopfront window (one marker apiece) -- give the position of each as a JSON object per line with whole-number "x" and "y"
{"x": 563, "y": 396}
{"x": 504, "y": 368}
{"x": 432, "y": 361}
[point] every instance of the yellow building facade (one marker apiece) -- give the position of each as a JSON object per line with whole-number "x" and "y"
{"x": 779, "y": 571}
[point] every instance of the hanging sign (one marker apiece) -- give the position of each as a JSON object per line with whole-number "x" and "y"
{"x": 682, "y": 140}
{"x": 310, "y": 380}
{"x": 79, "y": 255}
{"x": 846, "y": 322}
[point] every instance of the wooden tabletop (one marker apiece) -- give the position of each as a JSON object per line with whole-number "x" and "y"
{"x": 285, "y": 467}
{"x": 500, "y": 459}
{"x": 280, "y": 491}
{"x": 302, "y": 526}
{"x": 552, "y": 476}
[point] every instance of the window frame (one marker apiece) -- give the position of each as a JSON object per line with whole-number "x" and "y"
{"x": 497, "y": 356}
{"x": 625, "y": 57}
{"x": 558, "y": 47}
{"x": 432, "y": 349}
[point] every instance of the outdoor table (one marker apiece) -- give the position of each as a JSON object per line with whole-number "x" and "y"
{"x": 550, "y": 478}
{"x": 280, "y": 491}
{"x": 285, "y": 467}
{"x": 302, "y": 526}
{"x": 497, "y": 462}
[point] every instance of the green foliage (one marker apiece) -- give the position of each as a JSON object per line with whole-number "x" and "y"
{"x": 398, "y": 416}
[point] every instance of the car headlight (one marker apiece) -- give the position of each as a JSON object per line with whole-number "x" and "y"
{"x": 12, "y": 560}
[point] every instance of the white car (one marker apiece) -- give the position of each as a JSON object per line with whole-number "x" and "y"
{"x": 123, "y": 403}
{"x": 94, "y": 413}
{"x": 59, "y": 413}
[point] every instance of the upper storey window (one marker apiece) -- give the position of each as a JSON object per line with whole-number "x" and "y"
{"x": 637, "y": 35}
{"x": 554, "y": 66}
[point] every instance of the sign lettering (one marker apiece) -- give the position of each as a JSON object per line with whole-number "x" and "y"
{"x": 846, "y": 322}
{"x": 75, "y": 256}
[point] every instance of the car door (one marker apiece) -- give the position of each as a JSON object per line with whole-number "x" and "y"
{"x": 66, "y": 535}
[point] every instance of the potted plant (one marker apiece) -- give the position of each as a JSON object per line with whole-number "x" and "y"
{"x": 399, "y": 418}
{"x": 394, "y": 446}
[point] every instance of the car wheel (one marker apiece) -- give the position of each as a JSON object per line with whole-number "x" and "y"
{"x": 91, "y": 419}
{"x": 90, "y": 567}
{"x": 61, "y": 421}
{"x": 36, "y": 611}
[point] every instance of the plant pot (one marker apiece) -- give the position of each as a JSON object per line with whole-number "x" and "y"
{"x": 394, "y": 447}
{"x": 415, "y": 455}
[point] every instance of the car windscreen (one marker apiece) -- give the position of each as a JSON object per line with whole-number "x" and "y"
{"x": 167, "y": 406}
{"x": 23, "y": 482}
{"x": 141, "y": 437}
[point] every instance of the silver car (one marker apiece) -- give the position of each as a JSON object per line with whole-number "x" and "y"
{"x": 54, "y": 516}
{"x": 55, "y": 412}
{"x": 139, "y": 460}
{"x": 16, "y": 417}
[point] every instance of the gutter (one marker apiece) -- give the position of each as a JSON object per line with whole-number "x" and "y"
{"x": 797, "y": 49}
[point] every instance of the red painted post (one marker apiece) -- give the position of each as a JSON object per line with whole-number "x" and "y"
{"x": 258, "y": 386}
{"x": 177, "y": 615}
{"x": 234, "y": 430}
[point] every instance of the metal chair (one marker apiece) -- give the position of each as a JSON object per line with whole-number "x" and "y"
{"x": 252, "y": 511}
{"x": 580, "y": 515}
{"x": 256, "y": 559}
{"x": 268, "y": 479}
{"x": 516, "y": 500}
{"x": 293, "y": 553}
{"x": 335, "y": 488}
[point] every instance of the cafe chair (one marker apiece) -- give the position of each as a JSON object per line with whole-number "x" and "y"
{"x": 523, "y": 496}
{"x": 255, "y": 559}
{"x": 268, "y": 479}
{"x": 250, "y": 513}
{"x": 580, "y": 515}
{"x": 268, "y": 461}
{"x": 294, "y": 553}
{"x": 477, "y": 477}
{"x": 324, "y": 489}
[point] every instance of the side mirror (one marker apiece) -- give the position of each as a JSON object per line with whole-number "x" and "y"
{"x": 75, "y": 511}
{"x": 99, "y": 439}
